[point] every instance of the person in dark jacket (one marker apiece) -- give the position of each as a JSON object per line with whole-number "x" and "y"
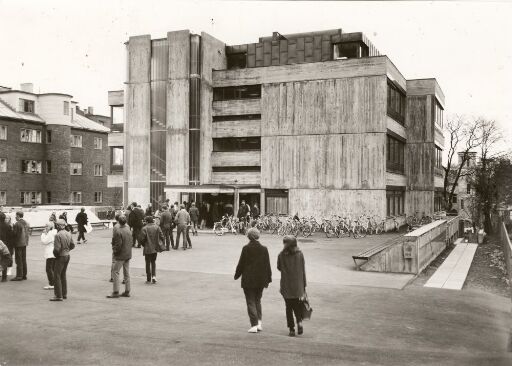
{"x": 6, "y": 238}
{"x": 166, "y": 222}
{"x": 194, "y": 217}
{"x": 122, "y": 253}
{"x": 254, "y": 267}
{"x": 149, "y": 237}
{"x": 62, "y": 245}
{"x": 293, "y": 281}
{"x": 255, "y": 211}
{"x": 81, "y": 220}
{"x": 135, "y": 223}
{"x": 20, "y": 234}
{"x": 5, "y": 259}
{"x": 149, "y": 210}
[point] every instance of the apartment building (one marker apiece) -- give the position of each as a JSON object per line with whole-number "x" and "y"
{"x": 315, "y": 123}
{"x": 49, "y": 153}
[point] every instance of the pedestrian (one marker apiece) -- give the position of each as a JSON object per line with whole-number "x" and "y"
{"x": 254, "y": 267}
{"x": 5, "y": 259}
{"x": 21, "y": 233}
{"x": 81, "y": 220}
{"x": 149, "y": 237}
{"x": 243, "y": 211}
{"x": 135, "y": 223}
{"x": 293, "y": 281}
{"x": 47, "y": 239}
{"x": 255, "y": 211}
{"x": 6, "y": 236}
{"x": 149, "y": 210}
{"x": 203, "y": 212}
{"x": 194, "y": 217}
{"x": 53, "y": 217}
{"x": 64, "y": 216}
{"x": 62, "y": 245}
{"x": 166, "y": 223}
{"x": 122, "y": 253}
{"x": 182, "y": 220}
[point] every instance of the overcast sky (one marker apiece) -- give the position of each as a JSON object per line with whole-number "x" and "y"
{"x": 76, "y": 47}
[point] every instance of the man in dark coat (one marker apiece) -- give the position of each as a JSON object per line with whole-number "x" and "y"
{"x": 254, "y": 267}
{"x": 6, "y": 238}
{"x": 255, "y": 211}
{"x": 135, "y": 223}
{"x": 122, "y": 253}
{"x": 166, "y": 222}
{"x": 81, "y": 220}
{"x": 21, "y": 233}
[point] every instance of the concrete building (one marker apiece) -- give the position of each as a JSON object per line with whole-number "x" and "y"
{"x": 49, "y": 153}
{"x": 315, "y": 123}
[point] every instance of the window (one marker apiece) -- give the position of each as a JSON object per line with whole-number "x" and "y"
{"x": 276, "y": 201}
{"x": 30, "y": 135}
{"x": 350, "y": 50}
{"x": 236, "y": 143}
{"x": 48, "y": 136}
{"x": 98, "y": 143}
{"x": 31, "y": 166}
{"x": 236, "y": 169}
{"x": 396, "y": 103}
{"x": 3, "y": 165}
{"x": 28, "y": 198}
{"x": 48, "y": 167}
{"x": 438, "y": 201}
{"x": 454, "y": 199}
{"x": 98, "y": 170}
{"x": 3, "y": 198}
{"x": 98, "y": 197}
{"x": 237, "y": 92}
{"x": 462, "y": 204}
{"x": 3, "y": 132}
{"x": 468, "y": 188}
{"x": 48, "y": 197}
{"x": 395, "y": 155}
{"x": 26, "y": 106}
{"x": 438, "y": 114}
{"x": 76, "y": 141}
{"x": 395, "y": 199}
{"x": 239, "y": 117}
{"x": 117, "y": 158}
{"x": 75, "y": 197}
{"x": 237, "y": 60}
{"x": 66, "y": 108}
{"x": 75, "y": 168}
{"x": 439, "y": 158}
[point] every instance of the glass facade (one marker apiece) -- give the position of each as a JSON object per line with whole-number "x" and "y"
{"x": 159, "y": 77}
{"x": 194, "y": 109}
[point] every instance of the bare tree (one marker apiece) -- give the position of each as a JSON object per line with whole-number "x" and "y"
{"x": 463, "y": 137}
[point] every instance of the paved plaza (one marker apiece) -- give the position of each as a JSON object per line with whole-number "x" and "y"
{"x": 196, "y": 313}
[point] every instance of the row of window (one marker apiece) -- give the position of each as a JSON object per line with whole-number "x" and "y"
{"x": 36, "y": 167}
{"x": 395, "y": 155}
{"x": 396, "y": 103}
{"x": 35, "y": 136}
{"x": 35, "y": 198}
{"x": 395, "y": 202}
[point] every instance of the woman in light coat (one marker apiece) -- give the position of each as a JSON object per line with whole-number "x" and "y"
{"x": 47, "y": 238}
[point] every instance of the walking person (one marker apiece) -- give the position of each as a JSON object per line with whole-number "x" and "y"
{"x": 182, "y": 220}
{"x": 6, "y": 236}
{"x": 194, "y": 217}
{"x": 62, "y": 245}
{"x": 20, "y": 232}
{"x": 135, "y": 223}
{"x": 47, "y": 239}
{"x": 254, "y": 267}
{"x": 293, "y": 282}
{"x": 81, "y": 220}
{"x": 166, "y": 223}
{"x": 122, "y": 253}
{"x": 149, "y": 237}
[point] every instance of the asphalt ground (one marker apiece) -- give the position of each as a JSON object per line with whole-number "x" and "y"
{"x": 196, "y": 315}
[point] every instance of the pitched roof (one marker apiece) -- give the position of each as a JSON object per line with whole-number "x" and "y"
{"x": 7, "y": 112}
{"x": 80, "y": 121}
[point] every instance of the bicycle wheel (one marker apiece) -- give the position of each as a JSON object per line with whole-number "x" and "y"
{"x": 306, "y": 231}
{"x": 218, "y": 229}
{"x": 329, "y": 231}
{"x": 362, "y": 231}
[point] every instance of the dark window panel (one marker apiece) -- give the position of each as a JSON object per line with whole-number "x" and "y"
{"x": 237, "y": 92}
{"x": 237, "y": 117}
{"x": 236, "y": 169}
{"x": 236, "y": 144}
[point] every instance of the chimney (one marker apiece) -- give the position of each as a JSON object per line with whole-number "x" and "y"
{"x": 90, "y": 110}
{"x": 27, "y": 87}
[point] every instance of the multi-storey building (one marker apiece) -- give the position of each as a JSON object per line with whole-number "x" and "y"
{"x": 49, "y": 153}
{"x": 315, "y": 123}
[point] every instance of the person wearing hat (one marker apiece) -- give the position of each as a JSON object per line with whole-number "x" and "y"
{"x": 47, "y": 239}
{"x": 254, "y": 268}
{"x": 62, "y": 245}
{"x": 81, "y": 220}
{"x": 149, "y": 237}
{"x": 21, "y": 233}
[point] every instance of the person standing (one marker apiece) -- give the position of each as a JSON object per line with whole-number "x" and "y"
{"x": 182, "y": 220}
{"x": 5, "y": 260}
{"x": 166, "y": 223}
{"x": 47, "y": 239}
{"x": 135, "y": 223}
{"x": 149, "y": 210}
{"x": 62, "y": 245}
{"x": 21, "y": 232}
{"x": 203, "y": 211}
{"x": 81, "y": 220}
{"x": 293, "y": 281}
{"x": 254, "y": 268}
{"x": 6, "y": 238}
{"x": 194, "y": 217}
{"x": 149, "y": 237}
{"x": 122, "y": 253}
{"x": 255, "y": 211}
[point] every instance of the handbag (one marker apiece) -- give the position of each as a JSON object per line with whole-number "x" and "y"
{"x": 305, "y": 307}
{"x": 88, "y": 228}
